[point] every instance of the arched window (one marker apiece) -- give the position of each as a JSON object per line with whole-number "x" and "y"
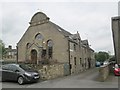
{"x": 39, "y": 36}
{"x": 50, "y": 43}
{"x": 50, "y": 48}
{"x": 28, "y": 45}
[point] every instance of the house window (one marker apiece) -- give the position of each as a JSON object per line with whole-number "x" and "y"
{"x": 28, "y": 45}
{"x": 43, "y": 53}
{"x": 75, "y": 60}
{"x": 85, "y": 62}
{"x": 71, "y": 46}
{"x": 9, "y": 53}
{"x": 80, "y": 60}
{"x": 39, "y": 36}
{"x": 74, "y": 47}
{"x": 50, "y": 52}
{"x": 85, "y": 50}
{"x": 50, "y": 43}
{"x": 50, "y": 48}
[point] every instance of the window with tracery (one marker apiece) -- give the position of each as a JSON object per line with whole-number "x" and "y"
{"x": 28, "y": 45}
{"x": 39, "y": 36}
{"x": 50, "y": 48}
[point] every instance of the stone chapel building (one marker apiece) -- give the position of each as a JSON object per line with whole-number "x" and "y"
{"x": 44, "y": 40}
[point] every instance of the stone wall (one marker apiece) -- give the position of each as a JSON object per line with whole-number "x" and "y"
{"x": 103, "y": 72}
{"x": 51, "y": 71}
{"x": 116, "y": 36}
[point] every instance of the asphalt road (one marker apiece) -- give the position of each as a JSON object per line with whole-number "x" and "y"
{"x": 87, "y": 79}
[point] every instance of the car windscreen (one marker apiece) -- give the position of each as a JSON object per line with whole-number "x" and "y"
{"x": 25, "y": 67}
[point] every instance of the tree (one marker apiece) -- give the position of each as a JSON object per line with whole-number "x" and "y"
{"x": 101, "y": 56}
{"x": 112, "y": 58}
{"x": 2, "y": 49}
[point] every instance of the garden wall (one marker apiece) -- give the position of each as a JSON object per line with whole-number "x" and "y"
{"x": 53, "y": 71}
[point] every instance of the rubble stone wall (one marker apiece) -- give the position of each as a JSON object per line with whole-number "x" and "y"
{"x": 51, "y": 71}
{"x": 103, "y": 72}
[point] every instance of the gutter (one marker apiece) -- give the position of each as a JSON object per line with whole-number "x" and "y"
{"x": 69, "y": 56}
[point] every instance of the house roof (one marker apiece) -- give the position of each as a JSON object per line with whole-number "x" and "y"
{"x": 76, "y": 36}
{"x": 116, "y": 18}
{"x": 67, "y": 34}
{"x": 64, "y": 32}
{"x": 91, "y": 49}
{"x": 11, "y": 50}
{"x": 85, "y": 42}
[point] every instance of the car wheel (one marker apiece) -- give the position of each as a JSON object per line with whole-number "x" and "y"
{"x": 20, "y": 80}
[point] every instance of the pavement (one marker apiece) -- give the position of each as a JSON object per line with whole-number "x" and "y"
{"x": 86, "y": 79}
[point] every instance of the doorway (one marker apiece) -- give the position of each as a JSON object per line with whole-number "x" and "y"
{"x": 89, "y": 63}
{"x": 33, "y": 56}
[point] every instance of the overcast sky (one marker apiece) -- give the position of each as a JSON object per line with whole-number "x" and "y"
{"x": 91, "y": 19}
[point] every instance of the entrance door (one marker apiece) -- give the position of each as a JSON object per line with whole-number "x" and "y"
{"x": 34, "y": 56}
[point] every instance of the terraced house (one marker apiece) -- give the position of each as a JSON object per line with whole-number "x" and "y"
{"x": 44, "y": 40}
{"x": 10, "y": 54}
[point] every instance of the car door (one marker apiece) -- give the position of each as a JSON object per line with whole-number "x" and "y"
{"x": 13, "y": 75}
{"x": 5, "y": 72}
{"x": 8, "y": 73}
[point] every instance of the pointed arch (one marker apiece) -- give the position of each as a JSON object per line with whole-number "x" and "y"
{"x": 50, "y": 48}
{"x": 28, "y": 45}
{"x": 33, "y": 56}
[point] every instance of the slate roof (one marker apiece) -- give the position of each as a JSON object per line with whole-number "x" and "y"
{"x": 64, "y": 32}
{"x": 116, "y": 18}
{"x": 85, "y": 42}
{"x": 67, "y": 34}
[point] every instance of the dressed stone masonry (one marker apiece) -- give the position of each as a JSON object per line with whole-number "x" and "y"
{"x": 46, "y": 41}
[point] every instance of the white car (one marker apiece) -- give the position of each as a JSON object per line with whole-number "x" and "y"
{"x": 106, "y": 63}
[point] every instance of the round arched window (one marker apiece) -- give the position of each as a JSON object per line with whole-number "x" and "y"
{"x": 39, "y": 36}
{"x": 28, "y": 45}
{"x": 50, "y": 48}
{"x": 50, "y": 43}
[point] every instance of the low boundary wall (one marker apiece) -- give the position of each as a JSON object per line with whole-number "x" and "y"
{"x": 103, "y": 72}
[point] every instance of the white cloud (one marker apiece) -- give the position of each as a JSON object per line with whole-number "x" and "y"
{"x": 92, "y": 20}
